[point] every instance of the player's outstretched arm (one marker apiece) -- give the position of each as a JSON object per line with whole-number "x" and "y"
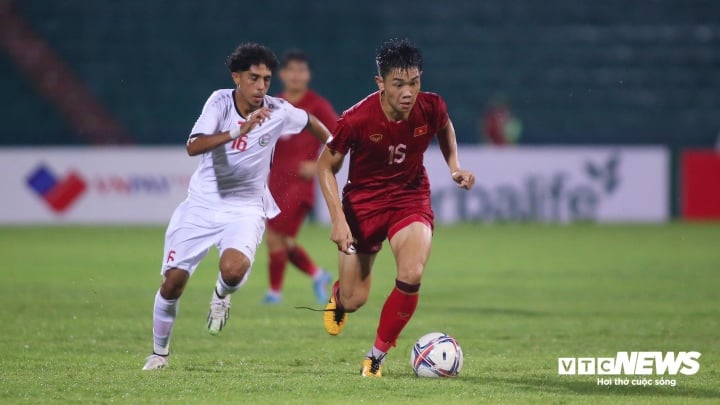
{"x": 201, "y": 143}
{"x": 317, "y": 128}
{"x": 448, "y": 146}
{"x": 329, "y": 164}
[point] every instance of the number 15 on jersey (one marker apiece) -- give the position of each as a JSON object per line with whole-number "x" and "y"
{"x": 396, "y": 153}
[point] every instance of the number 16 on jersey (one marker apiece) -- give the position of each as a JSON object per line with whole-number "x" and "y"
{"x": 240, "y": 143}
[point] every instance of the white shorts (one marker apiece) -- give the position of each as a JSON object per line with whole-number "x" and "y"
{"x": 193, "y": 230}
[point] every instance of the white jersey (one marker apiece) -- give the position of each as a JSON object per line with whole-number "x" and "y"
{"x": 233, "y": 176}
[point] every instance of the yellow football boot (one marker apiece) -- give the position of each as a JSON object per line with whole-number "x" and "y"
{"x": 333, "y": 317}
{"x": 371, "y": 367}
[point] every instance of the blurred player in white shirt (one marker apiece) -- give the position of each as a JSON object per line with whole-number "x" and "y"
{"x": 228, "y": 198}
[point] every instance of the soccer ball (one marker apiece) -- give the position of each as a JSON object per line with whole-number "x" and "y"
{"x": 436, "y": 355}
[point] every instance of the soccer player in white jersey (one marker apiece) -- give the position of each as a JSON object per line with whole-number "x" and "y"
{"x": 228, "y": 199}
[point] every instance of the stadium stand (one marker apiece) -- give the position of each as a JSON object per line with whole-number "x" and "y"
{"x": 575, "y": 72}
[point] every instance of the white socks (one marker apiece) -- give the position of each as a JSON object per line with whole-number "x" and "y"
{"x": 164, "y": 314}
{"x": 223, "y": 290}
{"x": 377, "y": 353}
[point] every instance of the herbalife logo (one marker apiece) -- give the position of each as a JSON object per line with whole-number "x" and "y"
{"x": 566, "y": 194}
{"x": 606, "y": 174}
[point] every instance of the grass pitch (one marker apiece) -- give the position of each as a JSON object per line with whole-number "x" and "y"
{"x": 76, "y": 319}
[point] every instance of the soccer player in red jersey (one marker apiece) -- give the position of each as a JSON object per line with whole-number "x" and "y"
{"x": 387, "y": 194}
{"x": 291, "y": 181}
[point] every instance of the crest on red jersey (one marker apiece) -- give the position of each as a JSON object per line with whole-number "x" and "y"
{"x": 420, "y": 131}
{"x": 376, "y": 137}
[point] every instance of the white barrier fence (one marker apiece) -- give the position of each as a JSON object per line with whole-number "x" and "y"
{"x": 135, "y": 185}
{"x": 112, "y": 185}
{"x": 550, "y": 184}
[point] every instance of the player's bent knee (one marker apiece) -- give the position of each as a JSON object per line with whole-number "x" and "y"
{"x": 233, "y": 267}
{"x": 411, "y": 274}
{"x": 174, "y": 283}
{"x": 275, "y": 241}
{"x": 233, "y": 275}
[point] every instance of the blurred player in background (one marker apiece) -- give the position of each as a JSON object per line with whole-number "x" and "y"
{"x": 387, "y": 194}
{"x": 500, "y": 126}
{"x": 291, "y": 181}
{"x": 228, "y": 199}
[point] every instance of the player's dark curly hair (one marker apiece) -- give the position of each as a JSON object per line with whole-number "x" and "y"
{"x": 397, "y": 53}
{"x": 246, "y": 55}
{"x": 294, "y": 55}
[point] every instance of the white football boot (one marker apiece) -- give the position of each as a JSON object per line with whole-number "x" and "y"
{"x": 219, "y": 313}
{"x": 155, "y": 362}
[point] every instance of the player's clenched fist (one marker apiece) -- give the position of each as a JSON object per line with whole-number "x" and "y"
{"x": 255, "y": 118}
{"x": 341, "y": 235}
{"x": 464, "y": 179}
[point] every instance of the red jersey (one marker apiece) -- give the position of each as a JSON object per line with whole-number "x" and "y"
{"x": 386, "y": 157}
{"x": 284, "y": 181}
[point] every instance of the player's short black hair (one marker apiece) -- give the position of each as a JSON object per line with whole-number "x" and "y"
{"x": 397, "y": 53}
{"x": 294, "y": 55}
{"x": 246, "y": 55}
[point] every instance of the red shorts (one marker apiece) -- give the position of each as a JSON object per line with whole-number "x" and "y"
{"x": 371, "y": 228}
{"x": 291, "y": 217}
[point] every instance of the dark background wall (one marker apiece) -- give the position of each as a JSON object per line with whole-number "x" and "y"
{"x": 575, "y": 72}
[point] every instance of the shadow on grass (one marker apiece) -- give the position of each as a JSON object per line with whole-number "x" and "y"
{"x": 486, "y": 311}
{"x": 590, "y": 387}
{"x": 206, "y": 369}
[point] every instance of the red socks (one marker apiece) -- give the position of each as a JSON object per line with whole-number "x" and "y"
{"x": 396, "y": 313}
{"x": 299, "y": 257}
{"x": 278, "y": 261}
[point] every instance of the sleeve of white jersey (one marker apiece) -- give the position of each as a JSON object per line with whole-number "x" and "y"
{"x": 295, "y": 120}
{"x": 208, "y": 122}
